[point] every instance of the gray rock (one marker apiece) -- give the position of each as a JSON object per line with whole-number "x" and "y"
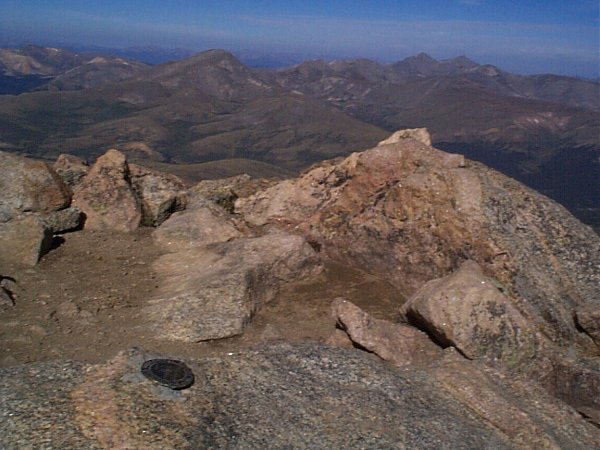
{"x": 280, "y": 396}
{"x": 24, "y": 241}
{"x": 64, "y": 220}
{"x": 212, "y": 292}
{"x": 71, "y": 169}
{"x": 160, "y": 194}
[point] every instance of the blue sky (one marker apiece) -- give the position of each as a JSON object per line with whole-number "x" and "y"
{"x": 530, "y": 36}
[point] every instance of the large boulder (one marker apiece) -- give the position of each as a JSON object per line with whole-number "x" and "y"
{"x": 466, "y": 309}
{"x": 160, "y": 194}
{"x": 24, "y": 241}
{"x": 106, "y": 197}
{"x": 213, "y": 292}
{"x": 29, "y": 186}
{"x": 280, "y": 396}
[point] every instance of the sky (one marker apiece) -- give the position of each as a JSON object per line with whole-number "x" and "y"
{"x": 527, "y": 36}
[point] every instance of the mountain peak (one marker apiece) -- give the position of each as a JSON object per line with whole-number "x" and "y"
{"x": 462, "y": 62}
{"x": 423, "y": 57}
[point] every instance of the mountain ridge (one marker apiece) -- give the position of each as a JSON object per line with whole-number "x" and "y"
{"x": 211, "y": 106}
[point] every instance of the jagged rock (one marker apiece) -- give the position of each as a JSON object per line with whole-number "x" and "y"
{"x": 29, "y": 186}
{"x": 398, "y": 343}
{"x": 410, "y": 213}
{"x": 280, "y": 396}
{"x": 467, "y": 310}
{"x": 419, "y": 134}
{"x": 24, "y": 241}
{"x": 160, "y": 194}
{"x": 64, "y": 220}
{"x": 589, "y": 321}
{"x": 70, "y": 168}
{"x": 212, "y": 292}
{"x": 196, "y": 227}
{"x": 105, "y": 195}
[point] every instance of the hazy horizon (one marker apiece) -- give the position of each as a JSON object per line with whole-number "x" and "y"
{"x": 526, "y": 37}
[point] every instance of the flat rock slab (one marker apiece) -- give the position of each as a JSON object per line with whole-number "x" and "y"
{"x": 281, "y": 396}
{"x": 195, "y": 227}
{"x": 212, "y": 292}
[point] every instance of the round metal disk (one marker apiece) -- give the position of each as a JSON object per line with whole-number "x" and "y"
{"x": 168, "y": 372}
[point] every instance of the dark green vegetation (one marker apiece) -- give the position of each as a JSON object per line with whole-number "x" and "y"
{"x": 543, "y": 130}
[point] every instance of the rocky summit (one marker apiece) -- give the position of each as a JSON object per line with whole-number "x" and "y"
{"x": 401, "y": 297}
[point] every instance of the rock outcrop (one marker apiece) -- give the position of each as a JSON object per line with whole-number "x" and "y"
{"x": 418, "y": 134}
{"x": 280, "y": 396}
{"x": 212, "y": 292}
{"x": 410, "y": 213}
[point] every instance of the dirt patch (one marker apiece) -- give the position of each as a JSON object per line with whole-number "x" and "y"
{"x": 83, "y": 301}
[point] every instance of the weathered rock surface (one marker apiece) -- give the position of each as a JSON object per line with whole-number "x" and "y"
{"x": 105, "y": 195}
{"x": 212, "y": 292}
{"x": 70, "y": 168}
{"x": 29, "y": 186}
{"x": 64, "y": 220}
{"x": 589, "y": 321}
{"x": 225, "y": 191}
{"x": 160, "y": 194}
{"x": 280, "y": 396}
{"x": 410, "y": 213}
{"x": 397, "y": 343}
{"x": 467, "y": 310}
{"x": 418, "y": 134}
{"x": 200, "y": 226}
{"x": 24, "y": 241}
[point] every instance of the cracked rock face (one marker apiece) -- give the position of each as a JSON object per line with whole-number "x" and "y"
{"x": 412, "y": 214}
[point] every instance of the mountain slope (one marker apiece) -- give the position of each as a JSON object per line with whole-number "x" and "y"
{"x": 205, "y": 108}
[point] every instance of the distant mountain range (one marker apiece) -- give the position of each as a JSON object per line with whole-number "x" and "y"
{"x": 542, "y": 129}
